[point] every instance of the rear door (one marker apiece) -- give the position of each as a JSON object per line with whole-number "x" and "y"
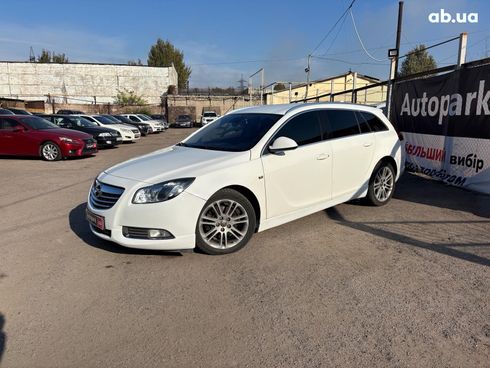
{"x": 299, "y": 178}
{"x": 14, "y": 141}
{"x": 352, "y": 148}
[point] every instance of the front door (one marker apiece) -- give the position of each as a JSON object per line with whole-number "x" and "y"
{"x": 299, "y": 178}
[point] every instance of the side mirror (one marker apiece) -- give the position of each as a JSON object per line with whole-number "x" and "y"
{"x": 283, "y": 144}
{"x": 18, "y": 129}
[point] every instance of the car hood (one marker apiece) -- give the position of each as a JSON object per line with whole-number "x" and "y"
{"x": 62, "y": 132}
{"x": 176, "y": 162}
{"x": 118, "y": 126}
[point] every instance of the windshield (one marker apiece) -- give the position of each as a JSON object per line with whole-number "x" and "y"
{"x": 104, "y": 120}
{"x": 183, "y": 118}
{"x": 82, "y": 122}
{"x": 233, "y": 132}
{"x": 38, "y": 123}
{"x": 123, "y": 119}
{"x": 112, "y": 118}
{"x": 209, "y": 114}
{"x": 143, "y": 117}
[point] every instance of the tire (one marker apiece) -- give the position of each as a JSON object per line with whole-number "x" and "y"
{"x": 381, "y": 184}
{"x": 226, "y": 223}
{"x": 50, "y": 151}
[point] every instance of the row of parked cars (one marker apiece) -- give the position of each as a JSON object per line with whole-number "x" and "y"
{"x": 70, "y": 133}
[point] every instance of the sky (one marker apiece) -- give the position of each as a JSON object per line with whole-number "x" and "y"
{"x": 225, "y": 39}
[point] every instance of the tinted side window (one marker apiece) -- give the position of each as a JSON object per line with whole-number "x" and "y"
{"x": 363, "y": 124}
{"x": 304, "y": 129}
{"x": 340, "y": 123}
{"x": 8, "y": 124}
{"x": 375, "y": 124}
{"x": 134, "y": 118}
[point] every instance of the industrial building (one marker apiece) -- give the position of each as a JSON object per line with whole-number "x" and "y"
{"x": 82, "y": 83}
{"x": 323, "y": 88}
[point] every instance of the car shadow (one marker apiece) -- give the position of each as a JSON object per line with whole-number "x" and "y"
{"x": 79, "y": 225}
{"x": 3, "y": 337}
{"x": 415, "y": 188}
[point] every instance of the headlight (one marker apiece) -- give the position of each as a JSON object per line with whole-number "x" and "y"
{"x": 104, "y": 134}
{"x": 126, "y": 131}
{"x": 68, "y": 140}
{"x": 162, "y": 191}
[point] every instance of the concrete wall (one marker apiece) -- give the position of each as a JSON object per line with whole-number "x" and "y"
{"x": 79, "y": 83}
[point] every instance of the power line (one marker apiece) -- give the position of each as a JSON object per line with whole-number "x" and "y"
{"x": 336, "y": 35}
{"x": 360, "y": 40}
{"x": 248, "y": 61}
{"x": 333, "y": 27}
{"x": 348, "y": 62}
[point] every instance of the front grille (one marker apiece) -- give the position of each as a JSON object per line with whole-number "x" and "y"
{"x": 104, "y": 196}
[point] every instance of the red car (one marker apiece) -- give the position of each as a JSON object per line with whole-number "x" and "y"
{"x": 26, "y": 135}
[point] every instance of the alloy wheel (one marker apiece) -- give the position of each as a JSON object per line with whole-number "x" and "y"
{"x": 383, "y": 184}
{"x": 50, "y": 151}
{"x": 223, "y": 224}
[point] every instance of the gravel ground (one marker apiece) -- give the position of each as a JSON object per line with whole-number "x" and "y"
{"x": 405, "y": 285}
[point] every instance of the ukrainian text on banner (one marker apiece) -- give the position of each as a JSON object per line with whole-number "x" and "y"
{"x": 446, "y": 123}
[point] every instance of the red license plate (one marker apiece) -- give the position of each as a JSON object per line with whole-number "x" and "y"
{"x": 96, "y": 220}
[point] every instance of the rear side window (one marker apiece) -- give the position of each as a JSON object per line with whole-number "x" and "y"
{"x": 303, "y": 128}
{"x": 339, "y": 123}
{"x": 375, "y": 124}
{"x": 8, "y": 124}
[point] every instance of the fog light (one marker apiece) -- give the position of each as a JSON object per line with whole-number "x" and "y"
{"x": 144, "y": 233}
{"x": 158, "y": 234}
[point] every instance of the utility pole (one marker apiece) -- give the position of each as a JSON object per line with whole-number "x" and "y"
{"x": 307, "y": 70}
{"x": 398, "y": 33}
{"x": 463, "y": 41}
{"x": 394, "y": 55}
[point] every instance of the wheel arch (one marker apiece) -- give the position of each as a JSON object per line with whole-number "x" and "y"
{"x": 247, "y": 193}
{"x": 389, "y": 160}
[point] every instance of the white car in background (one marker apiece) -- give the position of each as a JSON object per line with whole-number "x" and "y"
{"x": 129, "y": 133}
{"x": 208, "y": 117}
{"x": 156, "y": 126}
{"x": 251, "y": 170}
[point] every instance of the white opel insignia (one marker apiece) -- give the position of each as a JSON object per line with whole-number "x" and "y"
{"x": 248, "y": 171}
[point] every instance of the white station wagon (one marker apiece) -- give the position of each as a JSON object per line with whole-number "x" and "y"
{"x": 248, "y": 171}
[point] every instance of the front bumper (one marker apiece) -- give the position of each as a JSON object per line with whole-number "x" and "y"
{"x": 77, "y": 149}
{"x": 108, "y": 141}
{"x": 178, "y": 216}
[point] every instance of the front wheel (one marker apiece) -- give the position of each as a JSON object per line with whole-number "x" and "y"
{"x": 50, "y": 151}
{"x": 381, "y": 185}
{"x": 226, "y": 223}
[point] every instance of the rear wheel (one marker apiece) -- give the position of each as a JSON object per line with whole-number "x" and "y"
{"x": 50, "y": 151}
{"x": 381, "y": 184}
{"x": 226, "y": 223}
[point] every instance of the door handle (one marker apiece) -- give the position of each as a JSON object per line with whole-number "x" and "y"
{"x": 322, "y": 156}
{"x": 367, "y": 144}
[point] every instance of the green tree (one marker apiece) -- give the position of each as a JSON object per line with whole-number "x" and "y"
{"x": 133, "y": 62}
{"x": 163, "y": 53}
{"x": 52, "y": 57}
{"x": 60, "y": 58}
{"x": 127, "y": 97}
{"x": 418, "y": 60}
{"x": 45, "y": 57}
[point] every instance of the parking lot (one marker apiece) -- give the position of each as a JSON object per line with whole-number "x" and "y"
{"x": 403, "y": 285}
